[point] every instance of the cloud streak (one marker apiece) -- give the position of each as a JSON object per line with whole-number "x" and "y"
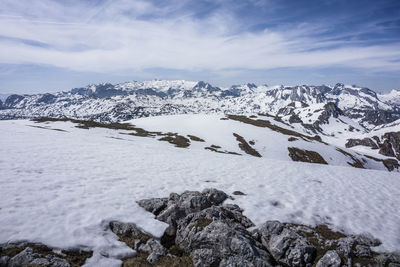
{"x": 111, "y": 36}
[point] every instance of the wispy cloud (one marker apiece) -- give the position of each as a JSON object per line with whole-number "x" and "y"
{"x": 109, "y": 36}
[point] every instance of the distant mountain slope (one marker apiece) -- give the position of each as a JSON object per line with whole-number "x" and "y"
{"x": 109, "y": 103}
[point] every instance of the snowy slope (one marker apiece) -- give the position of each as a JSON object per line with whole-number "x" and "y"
{"x": 62, "y": 187}
{"x": 393, "y": 97}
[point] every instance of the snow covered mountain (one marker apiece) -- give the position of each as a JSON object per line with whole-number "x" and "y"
{"x": 110, "y": 103}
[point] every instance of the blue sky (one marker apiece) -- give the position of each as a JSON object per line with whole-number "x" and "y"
{"x": 58, "y": 45}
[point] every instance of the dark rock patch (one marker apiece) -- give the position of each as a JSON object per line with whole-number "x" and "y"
{"x": 216, "y": 148}
{"x": 195, "y": 138}
{"x": 355, "y": 161}
{"x": 390, "y": 164}
{"x": 177, "y": 140}
{"x": 267, "y": 124}
{"x": 246, "y": 147}
{"x": 361, "y": 142}
{"x": 238, "y": 193}
{"x": 297, "y": 154}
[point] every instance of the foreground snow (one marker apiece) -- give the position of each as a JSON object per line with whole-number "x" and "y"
{"x": 62, "y": 188}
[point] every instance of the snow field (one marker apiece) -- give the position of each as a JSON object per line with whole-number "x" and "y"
{"x": 62, "y": 188}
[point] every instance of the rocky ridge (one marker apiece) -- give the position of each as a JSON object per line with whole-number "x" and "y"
{"x": 110, "y": 103}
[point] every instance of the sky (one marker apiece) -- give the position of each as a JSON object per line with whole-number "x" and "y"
{"x": 48, "y": 46}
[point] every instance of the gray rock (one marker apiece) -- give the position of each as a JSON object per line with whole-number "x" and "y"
{"x": 214, "y": 238}
{"x": 330, "y": 259}
{"x": 268, "y": 229}
{"x": 235, "y": 213}
{"x": 215, "y": 196}
{"x": 363, "y": 251}
{"x": 127, "y": 229}
{"x": 154, "y": 249}
{"x": 177, "y": 206}
{"x": 4, "y": 261}
{"x": 29, "y": 257}
{"x": 153, "y": 205}
{"x": 286, "y": 246}
{"x": 394, "y": 264}
{"x": 345, "y": 246}
{"x": 367, "y": 239}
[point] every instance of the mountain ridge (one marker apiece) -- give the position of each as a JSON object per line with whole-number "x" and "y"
{"x": 123, "y": 101}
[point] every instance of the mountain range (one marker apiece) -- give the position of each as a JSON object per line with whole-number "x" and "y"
{"x": 109, "y": 103}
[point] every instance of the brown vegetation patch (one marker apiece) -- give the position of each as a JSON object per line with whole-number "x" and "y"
{"x": 291, "y": 139}
{"x": 195, "y": 138}
{"x": 390, "y": 164}
{"x": 267, "y": 124}
{"x": 297, "y": 154}
{"x": 177, "y": 140}
{"x": 172, "y": 138}
{"x": 215, "y": 148}
{"x": 47, "y": 128}
{"x": 356, "y": 162}
{"x": 246, "y": 147}
{"x": 203, "y": 222}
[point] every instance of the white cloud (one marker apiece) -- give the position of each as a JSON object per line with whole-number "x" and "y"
{"x": 112, "y": 37}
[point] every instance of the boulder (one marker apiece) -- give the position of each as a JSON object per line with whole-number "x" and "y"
{"x": 330, "y": 259}
{"x": 213, "y": 231}
{"x": 154, "y": 248}
{"x": 29, "y": 257}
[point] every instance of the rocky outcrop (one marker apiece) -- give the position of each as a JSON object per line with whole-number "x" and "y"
{"x": 211, "y": 233}
{"x": 295, "y": 119}
{"x": 13, "y": 100}
{"x": 203, "y": 231}
{"x": 35, "y": 254}
{"x": 388, "y": 144}
{"x": 361, "y": 142}
{"x": 297, "y": 154}
{"x": 285, "y": 245}
{"x": 330, "y": 110}
{"x": 393, "y": 138}
{"x": 215, "y": 234}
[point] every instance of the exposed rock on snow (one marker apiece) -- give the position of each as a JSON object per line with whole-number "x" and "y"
{"x": 388, "y": 144}
{"x": 217, "y": 235}
{"x": 297, "y": 154}
{"x": 361, "y": 142}
{"x": 210, "y": 233}
{"x": 30, "y": 254}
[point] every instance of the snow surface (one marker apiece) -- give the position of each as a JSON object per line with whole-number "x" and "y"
{"x": 62, "y": 188}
